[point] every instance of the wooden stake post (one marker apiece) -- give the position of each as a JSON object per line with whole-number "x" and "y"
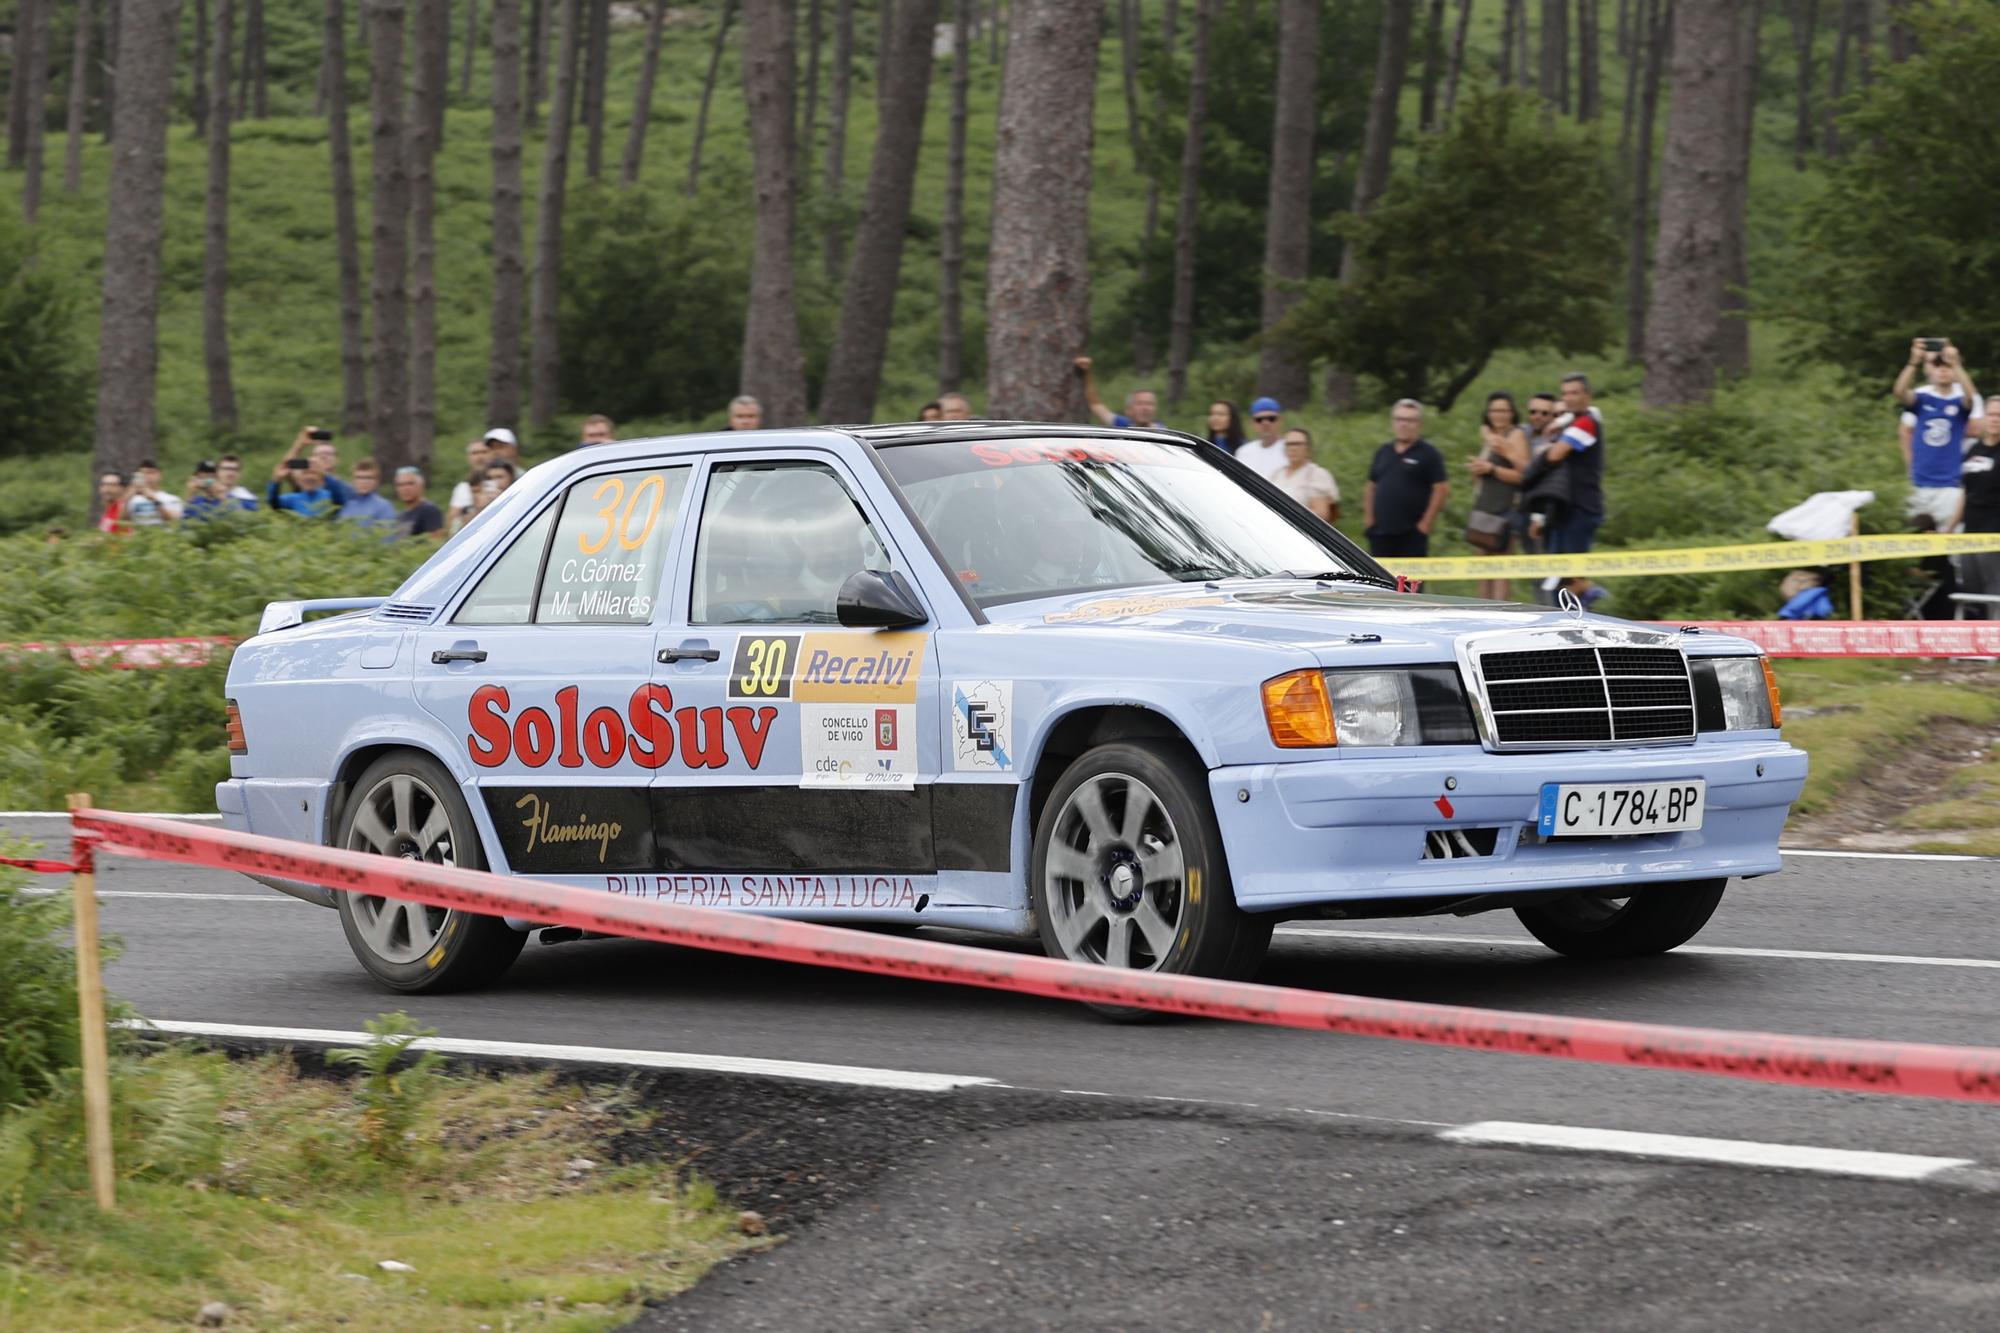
{"x": 90, "y": 1010}
{"x": 1854, "y": 574}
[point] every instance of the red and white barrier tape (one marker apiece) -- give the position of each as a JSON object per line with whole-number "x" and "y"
{"x": 131, "y": 654}
{"x": 1861, "y": 638}
{"x": 1911, "y": 1070}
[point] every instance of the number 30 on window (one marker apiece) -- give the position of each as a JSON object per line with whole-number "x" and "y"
{"x": 622, "y": 511}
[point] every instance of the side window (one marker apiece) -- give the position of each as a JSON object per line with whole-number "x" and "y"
{"x": 605, "y": 562}
{"x": 506, "y": 594}
{"x": 777, "y": 540}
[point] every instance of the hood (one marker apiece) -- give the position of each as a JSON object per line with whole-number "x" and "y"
{"x": 1326, "y": 619}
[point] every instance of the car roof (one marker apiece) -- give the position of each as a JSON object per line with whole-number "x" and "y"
{"x": 925, "y": 432}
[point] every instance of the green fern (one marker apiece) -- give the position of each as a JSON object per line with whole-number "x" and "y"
{"x": 390, "y": 1097}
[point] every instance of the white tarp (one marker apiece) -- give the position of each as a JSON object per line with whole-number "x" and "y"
{"x": 1826, "y": 515}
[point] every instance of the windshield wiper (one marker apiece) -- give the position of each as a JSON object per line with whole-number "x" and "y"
{"x": 1199, "y": 573}
{"x": 1337, "y": 576}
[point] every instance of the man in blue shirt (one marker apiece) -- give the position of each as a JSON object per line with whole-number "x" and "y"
{"x": 1934, "y": 421}
{"x": 364, "y": 502}
{"x": 1143, "y": 405}
{"x": 297, "y": 487}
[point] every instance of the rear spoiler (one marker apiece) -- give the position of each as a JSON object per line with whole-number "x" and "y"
{"x": 284, "y": 615}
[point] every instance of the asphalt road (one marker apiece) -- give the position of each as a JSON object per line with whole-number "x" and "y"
{"x": 214, "y": 947}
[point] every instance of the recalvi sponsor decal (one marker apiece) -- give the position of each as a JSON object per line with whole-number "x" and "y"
{"x": 879, "y": 667}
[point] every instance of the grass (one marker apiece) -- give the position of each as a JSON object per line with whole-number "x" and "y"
{"x": 284, "y": 1218}
{"x": 1850, "y": 714}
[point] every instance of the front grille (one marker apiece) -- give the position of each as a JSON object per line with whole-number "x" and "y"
{"x": 1604, "y": 694}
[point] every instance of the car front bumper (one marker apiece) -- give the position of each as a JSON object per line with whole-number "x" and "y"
{"x": 1354, "y": 827}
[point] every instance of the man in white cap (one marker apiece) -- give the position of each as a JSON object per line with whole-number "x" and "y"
{"x": 502, "y": 446}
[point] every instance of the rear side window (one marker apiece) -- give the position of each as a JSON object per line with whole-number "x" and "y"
{"x": 777, "y": 540}
{"x": 601, "y": 564}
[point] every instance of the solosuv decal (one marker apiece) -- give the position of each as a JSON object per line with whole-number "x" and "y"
{"x": 982, "y": 726}
{"x": 879, "y": 668}
{"x": 650, "y": 732}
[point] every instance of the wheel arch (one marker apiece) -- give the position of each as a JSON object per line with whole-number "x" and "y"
{"x": 356, "y": 760}
{"x": 1082, "y": 728}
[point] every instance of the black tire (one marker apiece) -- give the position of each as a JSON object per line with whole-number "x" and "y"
{"x": 1654, "y": 919}
{"x": 1122, "y": 888}
{"x": 406, "y": 946}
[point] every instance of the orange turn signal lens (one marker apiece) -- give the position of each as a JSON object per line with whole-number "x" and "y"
{"x": 1771, "y": 687}
{"x": 1298, "y": 710}
{"x": 233, "y": 725}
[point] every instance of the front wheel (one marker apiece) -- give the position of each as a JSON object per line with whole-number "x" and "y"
{"x": 1129, "y": 869}
{"x": 1651, "y": 920}
{"x": 406, "y": 805}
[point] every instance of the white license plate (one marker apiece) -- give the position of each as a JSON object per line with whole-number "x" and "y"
{"x": 1599, "y": 809}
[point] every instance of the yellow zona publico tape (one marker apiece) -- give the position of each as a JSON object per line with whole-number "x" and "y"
{"x": 1703, "y": 560}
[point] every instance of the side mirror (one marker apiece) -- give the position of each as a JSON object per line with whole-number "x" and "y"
{"x": 878, "y": 599}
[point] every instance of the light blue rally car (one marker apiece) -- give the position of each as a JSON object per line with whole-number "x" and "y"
{"x": 1105, "y": 686}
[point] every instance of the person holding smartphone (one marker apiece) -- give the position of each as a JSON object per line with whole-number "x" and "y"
{"x": 299, "y": 487}
{"x": 1935, "y": 417}
{"x": 314, "y": 447}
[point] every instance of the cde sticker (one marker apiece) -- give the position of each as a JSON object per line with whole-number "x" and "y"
{"x": 857, "y": 745}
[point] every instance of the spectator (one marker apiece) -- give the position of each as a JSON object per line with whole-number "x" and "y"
{"x": 229, "y": 476}
{"x": 325, "y": 459}
{"x": 459, "y": 502}
{"x": 365, "y": 503}
{"x": 499, "y": 475}
{"x": 1578, "y": 451}
{"x": 325, "y": 452}
{"x": 1407, "y": 486}
{"x": 1142, "y": 406}
{"x": 420, "y": 518}
{"x": 205, "y": 497}
{"x": 597, "y": 429}
{"x": 1304, "y": 480}
{"x": 146, "y": 505}
{"x": 1933, "y": 427}
{"x": 1933, "y": 599}
{"x": 111, "y": 494}
{"x": 1265, "y": 454}
{"x": 1979, "y": 511}
{"x": 298, "y": 487}
{"x": 1499, "y": 465}
{"x": 745, "y": 413}
{"x": 955, "y": 406}
{"x": 1545, "y": 500}
{"x": 931, "y": 411}
{"x": 1225, "y": 426}
{"x": 501, "y": 445}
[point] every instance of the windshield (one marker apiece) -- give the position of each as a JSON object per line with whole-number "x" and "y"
{"x": 1033, "y": 518}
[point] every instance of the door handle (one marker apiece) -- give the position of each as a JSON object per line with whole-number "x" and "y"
{"x": 685, "y": 654}
{"x": 443, "y": 655}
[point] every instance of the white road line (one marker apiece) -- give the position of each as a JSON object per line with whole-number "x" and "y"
{"x": 900, "y": 1080}
{"x": 1717, "y": 950}
{"x": 1682, "y": 1147}
{"x": 168, "y": 893}
{"x": 1883, "y": 856}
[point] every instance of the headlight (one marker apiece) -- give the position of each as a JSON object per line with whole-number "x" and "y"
{"x": 1401, "y": 706}
{"x": 1735, "y": 694}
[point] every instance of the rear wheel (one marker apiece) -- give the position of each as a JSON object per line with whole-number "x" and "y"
{"x": 1129, "y": 869}
{"x": 406, "y": 805}
{"x": 1652, "y": 919}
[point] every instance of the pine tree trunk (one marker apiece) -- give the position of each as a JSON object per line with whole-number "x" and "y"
{"x": 1455, "y": 67}
{"x": 1180, "y": 328}
{"x": 27, "y": 25}
{"x": 1623, "y": 37}
{"x": 1902, "y": 42}
{"x": 1038, "y": 261}
{"x": 215, "y": 234}
{"x": 1433, "y": 68}
{"x": 354, "y": 417}
{"x": 510, "y": 301}
{"x": 707, "y": 95}
{"x": 774, "y": 363}
{"x": 951, "y": 235}
{"x": 1378, "y": 142}
{"x": 1690, "y": 256}
{"x": 996, "y": 34}
{"x": 1589, "y": 101}
{"x": 35, "y": 40}
{"x": 128, "y": 345}
{"x": 1135, "y": 126}
{"x": 1511, "y": 19}
{"x": 1634, "y": 65}
{"x": 1805, "y": 26}
{"x": 471, "y": 47}
{"x": 111, "y": 40}
{"x": 1288, "y": 218}
{"x": 833, "y": 190}
{"x": 389, "y": 231}
{"x": 79, "y": 100}
{"x": 885, "y": 23}
{"x": 1862, "y": 16}
{"x": 642, "y": 109}
{"x": 868, "y": 300}
{"x": 255, "y": 68}
{"x": 198, "y": 103}
{"x": 1523, "y": 60}
{"x": 1651, "y": 37}
{"x": 544, "y": 296}
{"x": 1555, "y": 55}
{"x": 427, "y": 94}
{"x": 1837, "y": 83}
{"x": 809, "y": 111}
{"x": 596, "y": 68}
{"x": 538, "y": 63}
{"x": 1733, "y": 334}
